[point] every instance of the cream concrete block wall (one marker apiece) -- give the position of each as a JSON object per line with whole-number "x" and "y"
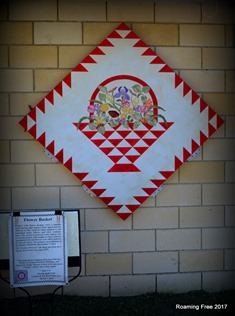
{"x": 179, "y": 241}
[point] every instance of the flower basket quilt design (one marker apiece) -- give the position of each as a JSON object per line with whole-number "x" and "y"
{"x": 122, "y": 121}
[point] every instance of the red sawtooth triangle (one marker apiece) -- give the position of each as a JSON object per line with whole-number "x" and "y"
{"x": 166, "y": 174}
{"x": 124, "y": 216}
{"x": 178, "y": 80}
{"x": 50, "y": 97}
{"x": 131, "y": 35}
{"x": 97, "y": 51}
{"x": 124, "y": 167}
{"x": 51, "y": 147}
{"x": 115, "y": 207}
{"x": 33, "y": 131}
{"x": 195, "y": 97}
{"x": 211, "y": 113}
{"x": 186, "y": 89}
{"x": 158, "y": 182}
{"x": 115, "y": 141}
{"x": 114, "y": 34}
{"x": 203, "y": 105}
{"x": 219, "y": 120}
{"x": 32, "y": 114}
{"x": 186, "y": 154}
{"x": 141, "y": 133}
{"x": 132, "y": 158}
{"x": 80, "y": 68}
{"x": 89, "y": 60}
{"x": 107, "y": 199}
{"x": 141, "y": 150}
{"x": 41, "y": 106}
{"x": 148, "y": 52}
{"x": 178, "y": 162}
{"x": 140, "y": 43}
{"x": 124, "y": 134}
{"x": 81, "y": 175}
{"x": 149, "y": 191}
{"x": 98, "y": 192}
{"x": 140, "y": 198}
{"x": 106, "y": 150}
{"x": 123, "y": 150}
{"x": 98, "y": 142}
{"x": 132, "y": 207}
{"x": 42, "y": 139}
{"x": 149, "y": 141}
{"x": 24, "y": 122}
{"x": 67, "y": 80}
{"x": 166, "y": 69}
{"x": 157, "y": 60}
{"x": 211, "y": 129}
{"x": 132, "y": 141}
{"x": 89, "y": 183}
{"x": 115, "y": 158}
{"x": 60, "y": 155}
{"x": 203, "y": 137}
{"x": 69, "y": 164}
{"x": 106, "y": 43}
{"x": 194, "y": 146}
{"x": 123, "y": 27}
{"x": 59, "y": 88}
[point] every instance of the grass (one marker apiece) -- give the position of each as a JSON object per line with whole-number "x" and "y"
{"x": 153, "y": 304}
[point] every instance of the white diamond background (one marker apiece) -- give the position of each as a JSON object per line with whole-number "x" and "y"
{"x": 51, "y": 122}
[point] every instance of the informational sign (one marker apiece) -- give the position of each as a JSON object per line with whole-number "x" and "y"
{"x": 122, "y": 121}
{"x": 38, "y": 249}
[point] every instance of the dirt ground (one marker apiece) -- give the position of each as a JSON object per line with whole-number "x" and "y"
{"x": 154, "y": 304}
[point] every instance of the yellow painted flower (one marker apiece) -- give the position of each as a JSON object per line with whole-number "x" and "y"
{"x": 123, "y": 115}
{"x": 104, "y": 107}
{"x": 99, "y": 120}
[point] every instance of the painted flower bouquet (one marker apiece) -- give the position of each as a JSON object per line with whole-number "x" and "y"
{"x": 121, "y": 105}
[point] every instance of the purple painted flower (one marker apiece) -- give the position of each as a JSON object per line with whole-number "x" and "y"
{"x": 122, "y": 91}
{"x": 97, "y": 107}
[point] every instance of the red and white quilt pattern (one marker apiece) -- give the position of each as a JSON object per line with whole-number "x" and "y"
{"x": 123, "y": 151}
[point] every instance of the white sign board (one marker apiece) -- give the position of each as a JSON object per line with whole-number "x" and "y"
{"x": 38, "y": 249}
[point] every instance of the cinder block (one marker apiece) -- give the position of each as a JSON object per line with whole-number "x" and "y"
{"x": 197, "y": 172}
{"x": 222, "y": 103}
{"x": 105, "y": 219}
{"x": 70, "y": 10}
{"x": 94, "y": 33}
{"x": 16, "y": 175}
{"x": 16, "y": 80}
{"x": 5, "y": 151}
{"x": 140, "y": 12}
{"x": 16, "y": 33}
{"x": 27, "y": 10}
{"x": 4, "y": 101}
{"x": 88, "y": 286}
{"x": 218, "y": 281}
{"x": 35, "y": 198}
{"x": 201, "y": 260}
{"x": 178, "y": 282}
{"x": 218, "y": 194}
{"x": 19, "y": 102}
{"x": 3, "y": 11}
{"x": 130, "y": 285}
{"x": 57, "y": 33}
{"x": 204, "y": 80}
{"x": 230, "y": 81}
{"x": 230, "y": 171}
{"x": 157, "y": 34}
{"x": 219, "y": 149}
{"x": 177, "y": 11}
{"x": 218, "y": 238}
{"x": 155, "y": 262}
{"x": 76, "y": 197}
{"x": 230, "y": 215}
{"x": 54, "y": 174}
{"x": 202, "y": 216}
{"x": 70, "y": 56}
{"x": 230, "y": 259}
{"x": 230, "y": 127}
{"x": 33, "y": 56}
{"x": 108, "y": 264}
{"x": 10, "y": 128}
{"x": 181, "y": 57}
{"x": 202, "y": 35}
{"x": 46, "y": 80}
{"x": 128, "y": 241}
{"x": 218, "y": 58}
{"x": 27, "y": 151}
{"x": 94, "y": 242}
{"x": 156, "y": 217}
{"x": 218, "y": 12}
{"x": 178, "y": 239}
{"x": 5, "y": 198}
{"x": 3, "y": 57}
{"x": 179, "y": 195}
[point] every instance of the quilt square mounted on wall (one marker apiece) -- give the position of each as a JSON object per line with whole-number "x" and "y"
{"x": 122, "y": 121}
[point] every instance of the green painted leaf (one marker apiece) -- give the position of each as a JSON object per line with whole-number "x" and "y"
{"x": 145, "y": 89}
{"x": 101, "y": 129}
